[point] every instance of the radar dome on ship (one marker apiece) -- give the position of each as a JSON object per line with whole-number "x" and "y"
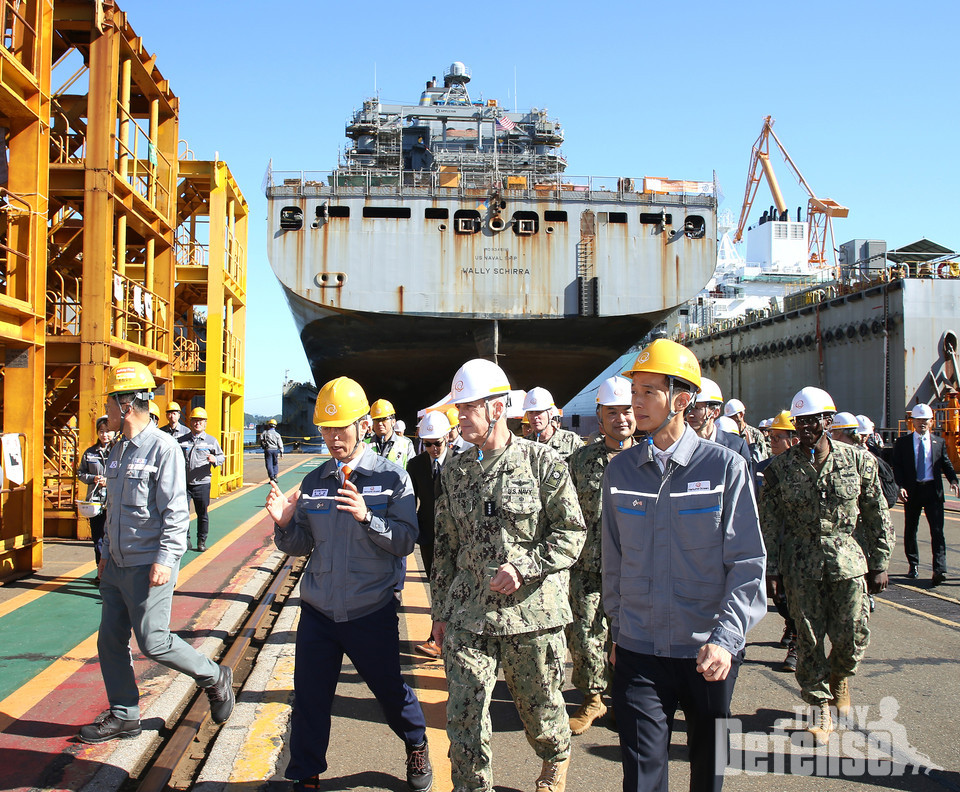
{"x": 457, "y": 73}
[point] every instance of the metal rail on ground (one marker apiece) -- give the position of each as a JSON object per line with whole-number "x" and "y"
{"x": 177, "y": 746}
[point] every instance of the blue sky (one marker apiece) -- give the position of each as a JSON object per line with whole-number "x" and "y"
{"x": 864, "y": 97}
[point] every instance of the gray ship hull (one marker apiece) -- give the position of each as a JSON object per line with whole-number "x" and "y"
{"x": 873, "y": 350}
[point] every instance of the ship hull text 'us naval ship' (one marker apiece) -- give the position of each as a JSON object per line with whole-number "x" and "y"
{"x": 451, "y": 230}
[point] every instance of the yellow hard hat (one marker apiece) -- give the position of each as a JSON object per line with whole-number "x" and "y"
{"x": 130, "y": 378}
{"x": 670, "y": 358}
{"x": 381, "y": 408}
{"x": 173, "y": 407}
{"x": 525, "y": 419}
{"x": 154, "y": 409}
{"x": 453, "y": 415}
{"x": 198, "y": 412}
{"x": 340, "y": 403}
{"x": 272, "y": 422}
{"x": 783, "y": 421}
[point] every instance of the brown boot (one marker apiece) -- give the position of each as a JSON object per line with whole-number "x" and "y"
{"x": 591, "y": 709}
{"x": 553, "y": 776}
{"x": 840, "y": 689}
{"x": 822, "y": 724}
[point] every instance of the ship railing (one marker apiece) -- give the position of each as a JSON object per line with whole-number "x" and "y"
{"x": 464, "y": 182}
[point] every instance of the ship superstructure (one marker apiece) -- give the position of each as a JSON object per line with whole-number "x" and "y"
{"x": 452, "y": 229}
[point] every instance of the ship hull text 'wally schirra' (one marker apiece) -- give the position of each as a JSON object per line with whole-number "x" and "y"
{"x": 452, "y": 229}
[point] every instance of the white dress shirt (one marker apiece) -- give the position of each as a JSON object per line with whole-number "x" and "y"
{"x": 923, "y": 440}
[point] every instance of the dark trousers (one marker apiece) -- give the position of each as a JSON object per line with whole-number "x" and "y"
{"x": 647, "y": 691}
{"x": 426, "y": 552}
{"x": 373, "y": 645}
{"x": 272, "y": 460}
{"x": 925, "y": 499}
{"x": 200, "y": 494}
{"x": 96, "y": 532}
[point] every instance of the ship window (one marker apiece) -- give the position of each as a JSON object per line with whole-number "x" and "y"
{"x": 617, "y": 217}
{"x": 555, "y": 217}
{"x": 695, "y": 227}
{"x": 291, "y": 218}
{"x": 655, "y": 218}
{"x": 390, "y": 212}
{"x": 467, "y": 221}
{"x": 526, "y": 223}
{"x": 338, "y": 211}
{"x": 434, "y": 213}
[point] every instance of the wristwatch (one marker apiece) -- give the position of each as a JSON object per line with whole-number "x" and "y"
{"x": 367, "y": 518}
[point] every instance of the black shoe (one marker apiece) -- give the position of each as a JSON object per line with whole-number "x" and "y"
{"x": 790, "y": 661}
{"x": 306, "y": 784}
{"x": 788, "y": 637}
{"x": 419, "y": 769}
{"x": 201, "y": 546}
{"x": 221, "y": 696}
{"x": 938, "y": 578}
{"x": 109, "y": 727}
{"x": 914, "y": 573}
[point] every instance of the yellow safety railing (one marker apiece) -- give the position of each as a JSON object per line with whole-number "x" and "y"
{"x": 139, "y": 314}
{"x": 232, "y": 355}
{"x": 63, "y": 305}
{"x": 186, "y": 354}
{"x": 232, "y": 443}
{"x": 141, "y": 164}
{"x": 60, "y": 456}
{"x": 235, "y": 259}
{"x": 19, "y": 37}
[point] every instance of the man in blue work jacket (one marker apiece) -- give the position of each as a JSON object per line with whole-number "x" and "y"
{"x": 202, "y": 453}
{"x": 355, "y": 516}
{"x": 683, "y": 575}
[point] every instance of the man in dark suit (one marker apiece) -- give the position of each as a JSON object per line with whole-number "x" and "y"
{"x": 424, "y": 470}
{"x": 919, "y": 462}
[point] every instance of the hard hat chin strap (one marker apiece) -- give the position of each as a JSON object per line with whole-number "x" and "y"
{"x": 670, "y": 415}
{"x": 490, "y": 427}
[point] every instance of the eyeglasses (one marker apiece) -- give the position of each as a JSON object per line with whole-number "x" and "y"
{"x": 433, "y": 443}
{"x": 807, "y": 420}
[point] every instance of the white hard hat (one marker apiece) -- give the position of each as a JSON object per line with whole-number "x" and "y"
{"x": 733, "y": 407}
{"x": 515, "y": 408}
{"x": 538, "y": 399}
{"x": 921, "y": 411}
{"x": 401, "y": 427}
{"x": 434, "y": 426}
{"x": 844, "y": 420}
{"x": 811, "y": 401}
{"x": 864, "y": 425}
{"x": 478, "y": 379}
{"x": 765, "y": 423}
{"x": 725, "y": 424}
{"x": 709, "y": 392}
{"x": 615, "y": 392}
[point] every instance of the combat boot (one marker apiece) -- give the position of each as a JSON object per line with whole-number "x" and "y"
{"x": 822, "y": 724}
{"x": 553, "y": 776}
{"x": 840, "y": 689}
{"x": 591, "y": 709}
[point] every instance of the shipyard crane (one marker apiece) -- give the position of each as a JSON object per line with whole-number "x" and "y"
{"x": 820, "y": 211}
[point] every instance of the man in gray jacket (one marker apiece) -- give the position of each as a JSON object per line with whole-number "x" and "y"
{"x": 145, "y": 537}
{"x": 355, "y": 517}
{"x": 202, "y": 453}
{"x": 683, "y": 575}
{"x": 272, "y": 445}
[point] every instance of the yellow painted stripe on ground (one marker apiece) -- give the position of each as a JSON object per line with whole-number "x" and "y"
{"x": 922, "y": 614}
{"x": 429, "y": 678}
{"x": 928, "y": 593}
{"x": 27, "y": 696}
{"x": 257, "y": 757}
{"x": 69, "y": 577}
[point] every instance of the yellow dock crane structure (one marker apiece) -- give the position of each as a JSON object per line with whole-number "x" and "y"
{"x": 102, "y": 219}
{"x": 820, "y": 211}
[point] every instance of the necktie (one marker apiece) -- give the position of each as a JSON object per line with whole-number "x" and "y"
{"x": 345, "y": 472}
{"x": 436, "y": 469}
{"x": 663, "y": 458}
{"x": 921, "y": 460}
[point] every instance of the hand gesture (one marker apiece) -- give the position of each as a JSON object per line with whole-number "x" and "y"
{"x": 507, "y": 580}
{"x": 351, "y": 501}
{"x": 279, "y": 506}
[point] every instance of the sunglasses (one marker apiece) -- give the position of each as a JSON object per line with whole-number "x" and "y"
{"x": 433, "y": 443}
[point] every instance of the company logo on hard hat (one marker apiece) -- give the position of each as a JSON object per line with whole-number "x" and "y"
{"x": 331, "y": 409}
{"x": 644, "y": 357}
{"x": 798, "y": 403}
{"x": 458, "y": 386}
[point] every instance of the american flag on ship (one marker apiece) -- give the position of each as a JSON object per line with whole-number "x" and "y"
{"x": 505, "y": 123}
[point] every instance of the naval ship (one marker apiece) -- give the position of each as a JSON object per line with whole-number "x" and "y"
{"x": 450, "y": 229}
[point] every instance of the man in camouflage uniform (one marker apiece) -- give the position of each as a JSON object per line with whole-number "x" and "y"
{"x": 759, "y": 446}
{"x": 812, "y": 498}
{"x": 508, "y": 527}
{"x": 587, "y": 633}
{"x": 540, "y": 409}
